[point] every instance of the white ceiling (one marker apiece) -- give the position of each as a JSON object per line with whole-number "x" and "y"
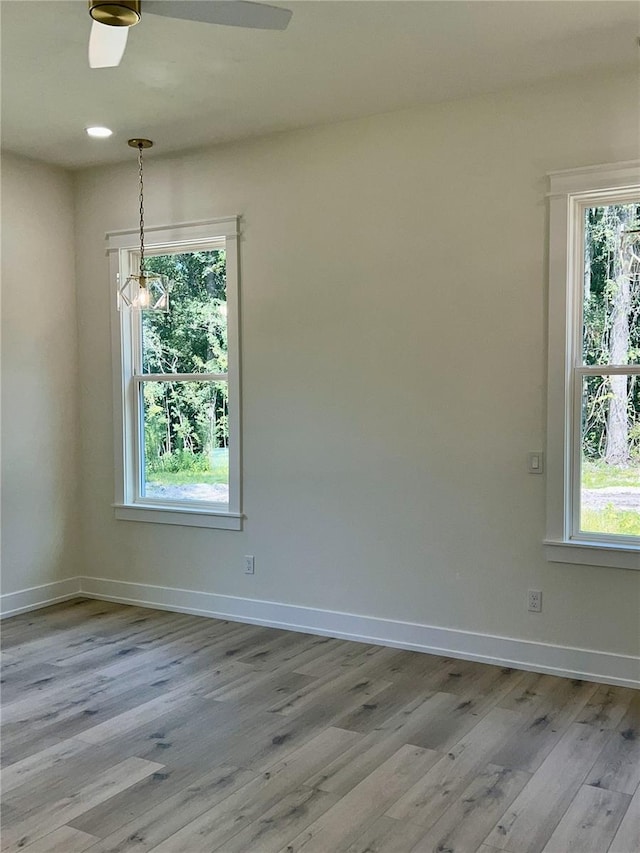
{"x": 186, "y": 84}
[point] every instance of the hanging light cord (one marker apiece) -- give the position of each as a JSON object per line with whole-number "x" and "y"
{"x": 141, "y": 211}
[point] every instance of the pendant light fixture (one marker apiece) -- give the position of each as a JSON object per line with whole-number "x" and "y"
{"x": 146, "y": 291}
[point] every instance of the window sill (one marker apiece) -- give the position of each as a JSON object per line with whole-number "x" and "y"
{"x": 185, "y": 517}
{"x": 592, "y": 554}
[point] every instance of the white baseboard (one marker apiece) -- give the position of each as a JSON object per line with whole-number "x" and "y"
{"x": 486, "y": 648}
{"x": 13, "y": 603}
{"x": 503, "y": 651}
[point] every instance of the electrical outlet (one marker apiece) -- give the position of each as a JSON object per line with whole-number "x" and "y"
{"x": 249, "y": 565}
{"x": 534, "y": 600}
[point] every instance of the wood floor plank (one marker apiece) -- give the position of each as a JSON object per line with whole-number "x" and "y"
{"x": 461, "y": 717}
{"x": 534, "y": 688}
{"x": 337, "y": 829}
{"x": 618, "y": 767}
{"x": 221, "y": 823}
{"x": 19, "y": 681}
{"x": 194, "y": 646}
{"x": 29, "y": 710}
{"x": 27, "y": 627}
{"x": 527, "y": 825}
{"x": 631, "y": 719}
{"x": 271, "y": 744}
{"x": 318, "y": 650}
{"x": 215, "y": 731}
{"x": 171, "y": 663}
{"x": 151, "y": 826}
{"x": 607, "y": 707}
{"x": 63, "y": 840}
{"x": 266, "y": 687}
{"x": 151, "y": 628}
{"x": 547, "y": 720}
{"x": 285, "y": 820}
{"x": 25, "y": 747}
{"x": 191, "y": 739}
{"x": 470, "y": 679}
{"x": 313, "y": 649}
{"x": 627, "y": 838}
{"x": 147, "y": 797}
{"x": 216, "y": 648}
{"x": 400, "y": 666}
{"x": 444, "y": 783}
{"x": 279, "y": 651}
{"x": 56, "y": 637}
{"x": 179, "y": 634}
{"x": 27, "y": 685}
{"x": 467, "y": 705}
{"x": 78, "y": 771}
{"x": 354, "y": 678}
{"x": 129, "y": 647}
{"x": 80, "y": 710}
{"x": 116, "y": 726}
{"x": 190, "y": 744}
{"x": 29, "y": 769}
{"x": 465, "y": 825}
{"x": 60, "y": 812}
{"x": 354, "y": 764}
{"x": 589, "y": 823}
{"x": 369, "y": 716}
{"x": 339, "y": 656}
{"x": 386, "y": 835}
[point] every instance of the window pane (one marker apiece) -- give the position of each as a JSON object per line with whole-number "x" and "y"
{"x": 610, "y": 472}
{"x": 611, "y": 305}
{"x": 186, "y": 441}
{"x": 192, "y": 336}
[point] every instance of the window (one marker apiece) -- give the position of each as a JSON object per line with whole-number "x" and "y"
{"x": 593, "y": 442}
{"x": 177, "y": 380}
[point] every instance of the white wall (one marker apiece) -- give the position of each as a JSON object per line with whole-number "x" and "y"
{"x": 40, "y": 448}
{"x": 394, "y": 353}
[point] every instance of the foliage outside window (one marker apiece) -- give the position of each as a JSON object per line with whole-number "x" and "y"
{"x": 594, "y": 367}
{"x": 186, "y": 434}
{"x": 179, "y": 374}
{"x": 610, "y": 460}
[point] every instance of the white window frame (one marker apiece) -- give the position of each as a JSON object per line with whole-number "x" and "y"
{"x": 123, "y": 250}
{"x": 570, "y": 193}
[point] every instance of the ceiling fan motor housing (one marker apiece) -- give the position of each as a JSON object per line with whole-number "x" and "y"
{"x": 122, "y": 13}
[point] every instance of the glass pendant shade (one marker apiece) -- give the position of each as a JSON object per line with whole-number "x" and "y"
{"x": 148, "y": 292}
{"x": 144, "y": 291}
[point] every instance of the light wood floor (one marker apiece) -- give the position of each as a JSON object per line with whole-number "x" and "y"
{"x": 128, "y": 729}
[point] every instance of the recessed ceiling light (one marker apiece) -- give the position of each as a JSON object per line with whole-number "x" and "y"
{"x": 99, "y": 132}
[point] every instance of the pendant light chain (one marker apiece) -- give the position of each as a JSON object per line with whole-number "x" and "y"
{"x": 141, "y": 210}
{"x": 144, "y": 291}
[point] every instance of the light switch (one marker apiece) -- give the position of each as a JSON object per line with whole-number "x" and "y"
{"x": 536, "y": 463}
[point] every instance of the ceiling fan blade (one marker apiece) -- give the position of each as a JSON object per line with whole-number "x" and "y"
{"x": 106, "y": 45}
{"x": 231, "y": 13}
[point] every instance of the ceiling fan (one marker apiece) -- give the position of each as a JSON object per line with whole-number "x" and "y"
{"x": 112, "y": 19}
